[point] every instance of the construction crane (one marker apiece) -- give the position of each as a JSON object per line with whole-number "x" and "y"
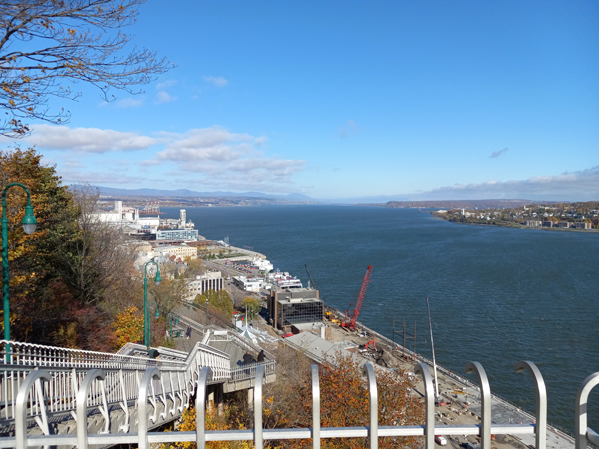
{"x": 351, "y": 322}
{"x": 310, "y": 277}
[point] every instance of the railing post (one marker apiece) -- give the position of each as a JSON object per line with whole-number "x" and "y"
{"x": 580, "y": 417}
{"x": 429, "y": 397}
{"x": 82, "y": 395}
{"x": 373, "y": 432}
{"x": 315, "y": 407}
{"x": 142, "y": 408}
{"x": 205, "y": 375}
{"x": 258, "y": 439}
{"x": 541, "y": 414}
{"x": 21, "y": 406}
{"x": 485, "y": 403}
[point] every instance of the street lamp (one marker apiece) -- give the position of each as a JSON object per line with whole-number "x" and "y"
{"x": 29, "y": 224}
{"x": 156, "y": 315}
{"x": 173, "y": 317}
{"x": 157, "y": 280}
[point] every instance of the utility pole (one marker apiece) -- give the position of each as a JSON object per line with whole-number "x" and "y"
{"x": 433, "y": 347}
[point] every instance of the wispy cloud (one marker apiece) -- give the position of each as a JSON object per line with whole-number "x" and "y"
{"x": 98, "y": 178}
{"x": 214, "y": 155}
{"x": 217, "y": 81}
{"x": 222, "y": 155}
{"x": 349, "y": 129}
{"x": 129, "y": 102}
{"x": 164, "y": 97}
{"x": 496, "y": 154}
{"x": 165, "y": 84}
{"x": 87, "y": 140}
{"x": 580, "y": 185}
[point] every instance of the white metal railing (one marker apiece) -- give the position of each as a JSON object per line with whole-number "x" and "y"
{"x": 249, "y": 371}
{"x": 67, "y": 369}
{"x": 245, "y": 372}
{"x": 258, "y": 435}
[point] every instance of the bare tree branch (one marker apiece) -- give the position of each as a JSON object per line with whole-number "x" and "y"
{"x": 66, "y": 41}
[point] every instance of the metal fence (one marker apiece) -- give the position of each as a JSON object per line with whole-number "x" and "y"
{"x": 258, "y": 435}
{"x": 115, "y": 381}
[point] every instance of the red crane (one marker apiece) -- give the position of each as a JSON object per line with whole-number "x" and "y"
{"x": 351, "y": 322}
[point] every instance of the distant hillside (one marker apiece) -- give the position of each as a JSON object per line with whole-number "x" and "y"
{"x": 465, "y": 204}
{"x": 185, "y": 193}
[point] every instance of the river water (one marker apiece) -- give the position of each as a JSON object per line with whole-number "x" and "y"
{"x": 497, "y": 295}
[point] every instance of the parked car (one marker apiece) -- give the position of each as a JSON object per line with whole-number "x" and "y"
{"x": 441, "y": 441}
{"x": 290, "y": 334}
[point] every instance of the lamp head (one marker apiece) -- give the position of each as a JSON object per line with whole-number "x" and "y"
{"x": 157, "y": 314}
{"x": 157, "y": 279}
{"x": 29, "y": 220}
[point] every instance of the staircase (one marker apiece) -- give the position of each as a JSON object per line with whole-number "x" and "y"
{"x": 54, "y": 389}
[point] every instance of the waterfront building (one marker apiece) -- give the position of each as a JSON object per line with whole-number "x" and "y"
{"x": 583, "y": 225}
{"x": 290, "y": 307}
{"x": 534, "y": 223}
{"x": 249, "y": 284}
{"x": 177, "y": 234}
{"x": 565, "y": 224}
{"x": 211, "y": 280}
{"x": 181, "y": 250}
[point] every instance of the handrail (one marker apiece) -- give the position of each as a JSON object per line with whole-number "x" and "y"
{"x": 121, "y": 376}
{"x": 259, "y": 435}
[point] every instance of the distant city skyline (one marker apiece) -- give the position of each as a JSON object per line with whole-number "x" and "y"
{"x": 337, "y": 100}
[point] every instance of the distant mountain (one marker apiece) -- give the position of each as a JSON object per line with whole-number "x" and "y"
{"x": 185, "y": 193}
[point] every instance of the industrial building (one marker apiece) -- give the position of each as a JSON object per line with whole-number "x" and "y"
{"x": 297, "y": 308}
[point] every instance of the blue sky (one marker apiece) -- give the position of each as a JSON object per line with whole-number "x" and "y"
{"x": 348, "y": 99}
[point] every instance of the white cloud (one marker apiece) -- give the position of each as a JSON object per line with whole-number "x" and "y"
{"x": 580, "y": 185}
{"x": 349, "y": 129}
{"x": 223, "y": 155}
{"x": 87, "y": 140}
{"x": 260, "y": 140}
{"x": 129, "y": 102}
{"x": 164, "y": 97}
{"x": 165, "y": 84}
{"x": 205, "y": 144}
{"x": 97, "y": 178}
{"x": 217, "y": 81}
{"x": 212, "y": 154}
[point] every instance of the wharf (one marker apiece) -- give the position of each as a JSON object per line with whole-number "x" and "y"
{"x": 457, "y": 391}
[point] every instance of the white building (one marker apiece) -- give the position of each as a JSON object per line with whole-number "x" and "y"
{"x": 211, "y": 280}
{"x": 128, "y": 218}
{"x": 181, "y": 250}
{"x": 249, "y": 284}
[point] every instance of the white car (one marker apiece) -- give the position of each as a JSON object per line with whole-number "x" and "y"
{"x": 441, "y": 441}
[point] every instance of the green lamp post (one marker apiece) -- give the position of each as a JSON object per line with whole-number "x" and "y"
{"x": 157, "y": 280}
{"x": 172, "y": 318}
{"x": 156, "y": 315}
{"x": 29, "y": 224}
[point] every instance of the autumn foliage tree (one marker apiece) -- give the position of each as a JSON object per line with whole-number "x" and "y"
{"x": 48, "y": 45}
{"x": 128, "y": 327}
{"x": 228, "y": 419}
{"x": 344, "y": 403}
{"x": 65, "y": 284}
{"x": 220, "y": 301}
{"x": 344, "y": 399}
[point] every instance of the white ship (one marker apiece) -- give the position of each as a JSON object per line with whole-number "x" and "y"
{"x": 261, "y": 264}
{"x": 284, "y": 280}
